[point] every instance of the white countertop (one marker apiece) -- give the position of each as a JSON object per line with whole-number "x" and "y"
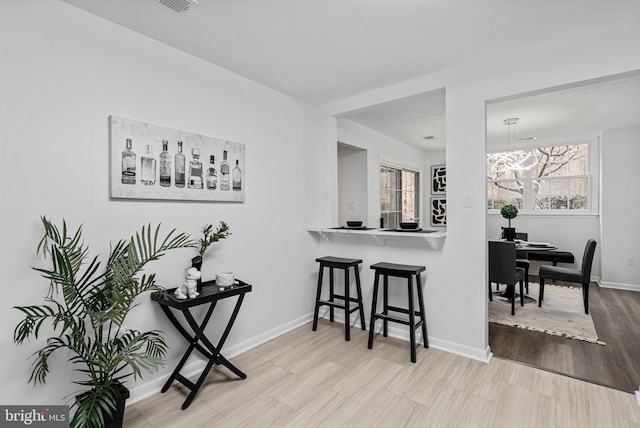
{"x": 433, "y": 237}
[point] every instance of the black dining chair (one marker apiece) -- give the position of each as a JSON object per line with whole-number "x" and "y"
{"x": 522, "y": 260}
{"x": 581, "y": 276}
{"x": 503, "y": 270}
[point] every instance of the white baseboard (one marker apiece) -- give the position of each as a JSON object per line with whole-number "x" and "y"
{"x": 194, "y": 368}
{"x": 619, "y": 286}
{"x": 483, "y": 355}
{"x": 614, "y": 285}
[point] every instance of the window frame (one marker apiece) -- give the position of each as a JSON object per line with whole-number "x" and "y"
{"x": 528, "y": 196}
{"x": 382, "y": 162}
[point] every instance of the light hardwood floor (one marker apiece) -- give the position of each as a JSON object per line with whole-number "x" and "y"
{"x": 316, "y": 379}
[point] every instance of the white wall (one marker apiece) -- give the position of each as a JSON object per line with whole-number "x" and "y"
{"x": 352, "y": 185}
{"x": 620, "y": 239}
{"x": 63, "y": 73}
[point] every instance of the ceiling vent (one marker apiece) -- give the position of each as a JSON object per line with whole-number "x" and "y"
{"x": 177, "y": 6}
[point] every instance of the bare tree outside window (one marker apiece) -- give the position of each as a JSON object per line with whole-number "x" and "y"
{"x": 559, "y": 181}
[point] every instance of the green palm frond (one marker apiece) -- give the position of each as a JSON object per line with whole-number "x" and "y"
{"x": 41, "y": 364}
{"x": 127, "y": 261}
{"x": 68, "y": 255}
{"x": 71, "y": 244}
{"x": 34, "y": 316}
{"x": 140, "y": 351}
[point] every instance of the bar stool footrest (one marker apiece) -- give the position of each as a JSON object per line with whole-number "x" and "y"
{"x": 341, "y": 297}
{"x": 341, "y": 305}
{"x": 403, "y": 310}
{"x": 396, "y": 319}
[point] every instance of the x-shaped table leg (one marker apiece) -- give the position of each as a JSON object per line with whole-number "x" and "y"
{"x": 209, "y": 350}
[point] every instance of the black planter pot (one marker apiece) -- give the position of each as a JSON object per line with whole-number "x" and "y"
{"x": 116, "y": 420}
{"x": 196, "y": 262}
{"x": 509, "y": 233}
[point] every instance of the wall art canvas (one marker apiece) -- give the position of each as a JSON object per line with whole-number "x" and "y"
{"x": 438, "y": 179}
{"x": 438, "y": 211}
{"x": 154, "y": 162}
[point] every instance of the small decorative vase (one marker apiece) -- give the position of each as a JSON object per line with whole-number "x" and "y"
{"x": 509, "y": 233}
{"x": 196, "y": 262}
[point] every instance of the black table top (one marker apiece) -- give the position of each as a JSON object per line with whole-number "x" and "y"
{"x": 210, "y": 292}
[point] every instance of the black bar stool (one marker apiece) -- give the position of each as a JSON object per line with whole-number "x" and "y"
{"x": 346, "y": 300}
{"x": 402, "y": 271}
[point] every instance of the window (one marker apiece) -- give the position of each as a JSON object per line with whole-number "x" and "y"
{"x": 559, "y": 182}
{"x": 399, "y": 195}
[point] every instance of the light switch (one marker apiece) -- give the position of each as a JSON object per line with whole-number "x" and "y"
{"x": 468, "y": 200}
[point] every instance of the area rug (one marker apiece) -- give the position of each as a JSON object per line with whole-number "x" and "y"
{"x": 561, "y": 314}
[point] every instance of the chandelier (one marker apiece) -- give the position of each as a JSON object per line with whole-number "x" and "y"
{"x": 511, "y": 160}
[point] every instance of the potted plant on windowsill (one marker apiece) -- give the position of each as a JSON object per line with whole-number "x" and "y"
{"x": 208, "y": 238}
{"x": 509, "y": 212}
{"x": 87, "y": 307}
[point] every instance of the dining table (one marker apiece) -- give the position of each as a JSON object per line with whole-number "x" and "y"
{"x": 524, "y": 247}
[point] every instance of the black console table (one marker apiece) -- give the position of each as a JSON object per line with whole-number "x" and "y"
{"x": 210, "y": 294}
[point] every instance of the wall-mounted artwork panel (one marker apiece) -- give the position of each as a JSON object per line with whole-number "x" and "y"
{"x": 438, "y": 179}
{"x": 438, "y": 211}
{"x": 154, "y": 162}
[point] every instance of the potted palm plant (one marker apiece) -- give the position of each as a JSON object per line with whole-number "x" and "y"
{"x": 509, "y": 212}
{"x": 86, "y": 307}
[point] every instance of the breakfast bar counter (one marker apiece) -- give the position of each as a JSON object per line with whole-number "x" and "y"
{"x": 435, "y": 238}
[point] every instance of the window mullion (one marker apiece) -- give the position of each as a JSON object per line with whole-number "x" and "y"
{"x": 528, "y": 193}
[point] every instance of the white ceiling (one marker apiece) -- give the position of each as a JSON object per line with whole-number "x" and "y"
{"x": 329, "y": 50}
{"x": 409, "y": 119}
{"x": 580, "y": 110}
